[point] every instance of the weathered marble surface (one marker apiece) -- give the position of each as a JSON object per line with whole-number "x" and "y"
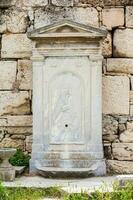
{"x": 68, "y": 101}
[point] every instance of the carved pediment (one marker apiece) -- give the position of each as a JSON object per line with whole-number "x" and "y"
{"x": 67, "y": 28}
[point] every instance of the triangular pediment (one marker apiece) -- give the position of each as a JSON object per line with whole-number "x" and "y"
{"x": 67, "y": 28}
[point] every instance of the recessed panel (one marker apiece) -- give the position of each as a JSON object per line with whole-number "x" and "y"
{"x": 66, "y": 108}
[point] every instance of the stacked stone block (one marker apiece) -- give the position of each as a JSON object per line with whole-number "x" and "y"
{"x": 19, "y": 16}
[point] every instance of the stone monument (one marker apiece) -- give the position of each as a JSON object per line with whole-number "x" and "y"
{"x": 7, "y": 171}
{"x": 67, "y": 112}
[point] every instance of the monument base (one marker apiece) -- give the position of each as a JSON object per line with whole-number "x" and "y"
{"x": 72, "y": 165}
{"x": 53, "y": 172}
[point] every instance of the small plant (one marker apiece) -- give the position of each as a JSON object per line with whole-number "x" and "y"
{"x": 81, "y": 196}
{"x": 77, "y": 196}
{"x": 54, "y": 192}
{"x": 3, "y": 192}
{"x": 123, "y": 193}
{"x": 20, "y": 159}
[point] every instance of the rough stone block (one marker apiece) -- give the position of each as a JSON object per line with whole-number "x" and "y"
{"x": 123, "y": 2}
{"x": 13, "y": 20}
{"x": 1, "y": 135}
{"x": 116, "y": 95}
{"x": 10, "y": 132}
{"x": 8, "y": 74}
{"x": 113, "y": 17}
{"x": 16, "y": 46}
{"x": 17, "y": 137}
{"x": 11, "y": 143}
{"x": 7, "y": 3}
{"x": 127, "y": 136}
{"x": 129, "y": 125}
{"x": 19, "y": 130}
{"x": 78, "y": 14}
{"x": 120, "y": 65}
{"x": 129, "y": 16}
{"x": 29, "y": 143}
{"x": 19, "y": 121}
{"x": 107, "y": 46}
{"x": 123, "y": 119}
{"x": 122, "y": 128}
{"x": 123, "y": 43}
{"x": 105, "y": 2}
{"x": 122, "y": 151}
{"x": 14, "y": 103}
{"x": 119, "y": 167}
{"x": 3, "y": 26}
{"x": 110, "y": 128}
{"x": 16, "y": 21}
{"x": 89, "y": 2}
{"x": 33, "y": 3}
{"x": 24, "y": 76}
{"x": 62, "y": 2}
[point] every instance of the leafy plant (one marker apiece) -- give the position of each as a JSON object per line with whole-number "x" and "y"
{"x": 123, "y": 193}
{"x": 81, "y": 196}
{"x": 54, "y": 192}
{"x": 25, "y": 193}
{"x": 3, "y": 192}
{"x": 20, "y": 159}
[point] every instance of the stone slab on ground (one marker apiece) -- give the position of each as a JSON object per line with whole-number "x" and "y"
{"x": 68, "y": 185}
{"x": 123, "y": 179}
{"x": 19, "y": 170}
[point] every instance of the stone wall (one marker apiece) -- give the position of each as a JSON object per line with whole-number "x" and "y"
{"x": 19, "y": 16}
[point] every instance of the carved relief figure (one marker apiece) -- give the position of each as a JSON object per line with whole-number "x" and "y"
{"x": 65, "y": 116}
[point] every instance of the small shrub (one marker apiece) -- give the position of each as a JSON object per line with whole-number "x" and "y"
{"x": 20, "y": 159}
